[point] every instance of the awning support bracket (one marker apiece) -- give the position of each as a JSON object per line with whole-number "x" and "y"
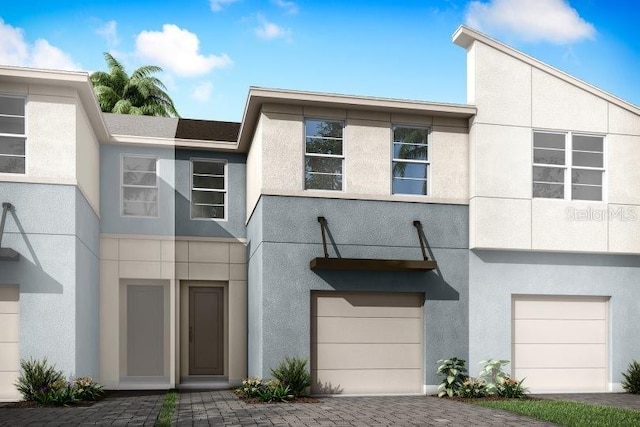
{"x": 339, "y": 263}
{"x": 6, "y": 254}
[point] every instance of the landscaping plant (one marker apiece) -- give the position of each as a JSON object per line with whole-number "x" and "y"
{"x": 512, "y": 388}
{"x": 631, "y": 382}
{"x": 293, "y": 373}
{"x": 473, "y": 388}
{"x": 41, "y": 383}
{"x": 493, "y": 374}
{"x": 454, "y": 374}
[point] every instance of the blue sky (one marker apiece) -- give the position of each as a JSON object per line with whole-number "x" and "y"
{"x": 213, "y": 50}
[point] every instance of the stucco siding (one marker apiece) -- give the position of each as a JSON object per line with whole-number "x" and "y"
{"x": 495, "y": 276}
{"x": 279, "y": 270}
{"x": 87, "y": 158}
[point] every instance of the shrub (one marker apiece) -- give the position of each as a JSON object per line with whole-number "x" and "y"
{"x": 512, "y": 388}
{"x": 251, "y": 387}
{"x": 293, "y": 373}
{"x": 37, "y": 378}
{"x": 493, "y": 374}
{"x": 473, "y": 387}
{"x": 87, "y": 389}
{"x": 266, "y": 391}
{"x": 455, "y": 374}
{"x": 631, "y": 382}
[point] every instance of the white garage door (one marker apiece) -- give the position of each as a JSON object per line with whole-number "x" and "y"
{"x": 366, "y": 343}
{"x": 9, "y": 338}
{"x": 560, "y": 343}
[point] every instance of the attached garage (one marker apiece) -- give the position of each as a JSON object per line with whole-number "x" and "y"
{"x": 560, "y": 344}
{"x": 367, "y": 343}
{"x": 9, "y": 341}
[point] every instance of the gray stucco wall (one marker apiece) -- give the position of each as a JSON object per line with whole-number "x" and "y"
{"x": 234, "y": 225}
{"x": 360, "y": 229}
{"x": 497, "y": 275}
{"x": 110, "y": 204}
{"x": 87, "y": 289}
{"x": 254, "y": 292}
{"x": 48, "y": 226}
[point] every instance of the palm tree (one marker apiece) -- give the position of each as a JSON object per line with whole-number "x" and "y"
{"x": 139, "y": 94}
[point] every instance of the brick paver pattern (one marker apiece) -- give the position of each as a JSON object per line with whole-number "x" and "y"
{"x": 223, "y": 408}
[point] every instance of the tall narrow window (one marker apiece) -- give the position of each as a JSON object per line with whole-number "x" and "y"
{"x": 324, "y": 156}
{"x": 12, "y": 134}
{"x": 410, "y": 165}
{"x": 208, "y": 189}
{"x": 139, "y": 186}
{"x": 568, "y": 166}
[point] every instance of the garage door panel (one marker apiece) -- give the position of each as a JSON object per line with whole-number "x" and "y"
{"x": 559, "y": 380}
{"x": 560, "y": 355}
{"x": 369, "y": 356}
{"x": 366, "y": 381}
{"x": 368, "y": 330}
{"x": 369, "y": 305}
{"x": 9, "y": 329}
{"x": 561, "y": 331}
{"x": 570, "y": 308}
{"x": 9, "y": 359}
{"x": 8, "y": 391}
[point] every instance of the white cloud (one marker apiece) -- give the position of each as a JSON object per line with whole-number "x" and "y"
{"x": 109, "y": 31}
{"x": 269, "y": 30}
{"x": 15, "y": 50}
{"x": 178, "y": 51}
{"x": 218, "y": 5}
{"x": 202, "y": 92}
{"x": 552, "y": 21}
{"x": 289, "y": 6}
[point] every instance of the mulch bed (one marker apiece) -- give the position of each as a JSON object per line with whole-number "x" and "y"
{"x": 301, "y": 399}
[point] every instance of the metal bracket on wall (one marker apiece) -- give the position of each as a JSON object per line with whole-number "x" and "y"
{"x": 6, "y": 254}
{"x": 327, "y": 263}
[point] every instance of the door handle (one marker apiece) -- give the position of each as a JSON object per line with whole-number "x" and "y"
{"x": 190, "y": 333}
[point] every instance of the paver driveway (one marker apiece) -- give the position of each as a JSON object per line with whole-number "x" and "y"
{"x": 223, "y": 408}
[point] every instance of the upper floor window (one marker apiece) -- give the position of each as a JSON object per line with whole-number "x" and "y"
{"x": 410, "y": 164}
{"x": 324, "y": 155}
{"x": 208, "y": 189}
{"x": 12, "y": 134}
{"x": 568, "y": 166}
{"x": 139, "y": 186}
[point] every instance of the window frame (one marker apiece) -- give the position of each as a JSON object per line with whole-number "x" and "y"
{"x": 225, "y": 163}
{"x": 17, "y": 136}
{"x": 427, "y": 162}
{"x": 122, "y": 184}
{"x": 343, "y": 157}
{"x": 569, "y": 166}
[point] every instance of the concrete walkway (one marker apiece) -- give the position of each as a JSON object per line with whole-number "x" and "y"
{"x": 223, "y": 408}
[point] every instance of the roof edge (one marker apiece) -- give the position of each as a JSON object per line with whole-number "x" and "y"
{"x": 464, "y": 37}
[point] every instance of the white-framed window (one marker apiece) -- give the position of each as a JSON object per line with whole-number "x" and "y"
{"x": 12, "y": 134}
{"x": 139, "y": 185}
{"x": 410, "y": 160}
{"x": 324, "y": 154}
{"x": 208, "y": 189}
{"x": 568, "y": 165}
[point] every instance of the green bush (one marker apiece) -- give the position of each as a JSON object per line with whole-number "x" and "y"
{"x": 454, "y": 374}
{"x": 266, "y": 391}
{"x": 87, "y": 389}
{"x": 473, "y": 388}
{"x": 493, "y": 374}
{"x": 293, "y": 373}
{"x": 251, "y": 387}
{"x": 511, "y": 388}
{"x": 37, "y": 378}
{"x": 41, "y": 383}
{"x": 631, "y": 382}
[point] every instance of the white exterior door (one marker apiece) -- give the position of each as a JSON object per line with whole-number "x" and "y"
{"x": 560, "y": 344}
{"x": 9, "y": 342}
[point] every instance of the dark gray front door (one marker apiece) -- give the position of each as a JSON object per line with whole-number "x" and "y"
{"x": 206, "y": 332}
